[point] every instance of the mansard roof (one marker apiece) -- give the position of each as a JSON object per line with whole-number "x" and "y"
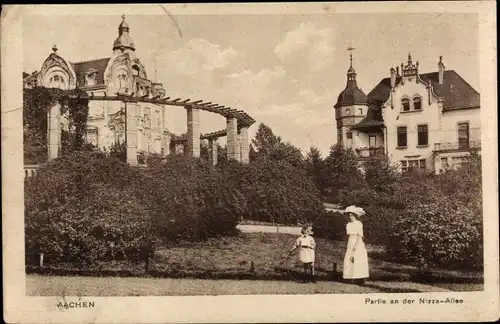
{"x": 455, "y": 91}
{"x": 81, "y": 68}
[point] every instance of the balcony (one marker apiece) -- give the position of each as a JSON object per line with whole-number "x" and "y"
{"x": 461, "y": 146}
{"x": 370, "y": 152}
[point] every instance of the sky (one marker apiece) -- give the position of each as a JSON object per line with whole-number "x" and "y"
{"x": 284, "y": 70}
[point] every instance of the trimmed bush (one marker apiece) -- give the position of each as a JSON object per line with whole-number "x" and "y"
{"x": 439, "y": 234}
{"x": 275, "y": 191}
{"x": 190, "y": 200}
{"x": 78, "y": 209}
{"x": 332, "y": 225}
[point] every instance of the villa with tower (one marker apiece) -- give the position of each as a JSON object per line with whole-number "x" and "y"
{"x": 418, "y": 120}
{"x": 126, "y": 105}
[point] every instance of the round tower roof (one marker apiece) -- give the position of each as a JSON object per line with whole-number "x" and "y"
{"x": 352, "y": 95}
{"x": 123, "y": 40}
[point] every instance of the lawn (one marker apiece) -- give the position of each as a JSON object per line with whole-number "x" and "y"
{"x": 263, "y": 257}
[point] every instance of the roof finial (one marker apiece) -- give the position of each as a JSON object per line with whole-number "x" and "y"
{"x": 123, "y": 17}
{"x": 350, "y": 49}
{"x": 409, "y": 57}
{"x": 155, "y": 69}
{"x": 54, "y": 48}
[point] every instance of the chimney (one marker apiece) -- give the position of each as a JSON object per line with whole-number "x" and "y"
{"x": 441, "y": 70}
{"x": 393, "y": 77}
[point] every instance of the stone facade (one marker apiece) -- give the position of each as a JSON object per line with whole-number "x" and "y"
{"x": 125, "y": 105}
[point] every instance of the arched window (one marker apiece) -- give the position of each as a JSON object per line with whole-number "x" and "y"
{"x": 121, "y": 80}
{"x": 135, "y": 70}
{"x": 91, "y": 77}
{"x": 417, "y": 103}
{"x": 405, "y": 104}
{"x": 56, "y": 81}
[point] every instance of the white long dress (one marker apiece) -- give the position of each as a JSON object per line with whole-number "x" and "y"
{"x": 359, "y": 268}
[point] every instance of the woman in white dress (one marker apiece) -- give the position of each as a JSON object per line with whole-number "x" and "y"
{"x": 356, "y": 256}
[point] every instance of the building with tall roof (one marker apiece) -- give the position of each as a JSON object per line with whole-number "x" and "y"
{"x": 121, "y": 73}
{"x": 351, "y": 108}
{"x": 418, "y": 120}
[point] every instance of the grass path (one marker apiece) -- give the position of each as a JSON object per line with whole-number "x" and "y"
{"x": 250, "y": 263}
{"x": 38, "y": 285}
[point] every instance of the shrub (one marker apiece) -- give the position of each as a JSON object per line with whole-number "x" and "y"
{"x": 190, "y": 200}
{"x": 445, "y": 233}
{"x": 77, "y": 209}
{"x": 331, "y": 225}
{"x": 275, "y": 191}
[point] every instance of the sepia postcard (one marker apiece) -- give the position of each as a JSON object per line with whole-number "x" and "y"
{"x": 250, "y": 162}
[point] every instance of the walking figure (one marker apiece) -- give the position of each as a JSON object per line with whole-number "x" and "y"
{"x": 306, "y": 245}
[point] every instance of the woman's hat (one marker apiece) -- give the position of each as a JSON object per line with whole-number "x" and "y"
{"x": 355, "y": 210}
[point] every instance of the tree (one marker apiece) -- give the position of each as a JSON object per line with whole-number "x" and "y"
{"x": 380, "y": 175}
{"x": 221, "y": 155}
{"x": 275, "y": 191}
{"x": 204, "y": 154}
{"x": 252, "y": 154}
{"x": 314, "y": 164}
{"x": 270, "y": 146}
{"x": 341, "y": 173}
{"x": 265, "y": 141}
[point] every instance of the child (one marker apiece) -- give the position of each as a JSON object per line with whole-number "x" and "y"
{"x": 306, "y": 245}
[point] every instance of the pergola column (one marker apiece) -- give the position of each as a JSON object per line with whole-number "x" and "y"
{"x": 193, "y": 131}
{"x": 244, "y": 148}
{"x": 212, "y": 151}
{"x": 166, "y": 137}
{"x": 131, "y": 131}
{"x": 232, "y": 139}
{"x": 54, "y": 133}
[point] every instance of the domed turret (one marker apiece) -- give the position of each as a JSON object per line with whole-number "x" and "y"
{"x": 123, "y": 42}
{"x": 352, "y": 95}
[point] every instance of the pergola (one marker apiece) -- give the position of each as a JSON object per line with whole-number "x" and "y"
{"x": 237, "y": 122}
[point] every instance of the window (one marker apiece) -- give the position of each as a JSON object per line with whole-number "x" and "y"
{"x": 463, "y": 135}
{"x": 361, "y": 111}
{"x": 91, "y": 77}
{"x": 121, "y": 81}
{"x": 422, "y": 164}
{"x": 56, "y": 81}
{"x": 408, "y": 165}
{"x": 402, "y": 137}
{"x": 456, "y": 161}
{"x": 423, "y": 135}
{"x": 349, "y": 135}
{"x": 158, "y": 119}
{"x": 405, "y": 104}
{"x": 444, "y": 162}
{"x": 372, "y": 140}
{"x": 347, "y": 111}
{"x": 339, "y": 136}
{"x": 135, "y": 70}
{"x": 147, "y": 118}
{"x": 404, "y": 166}
{"x": 417, "y": 103}
{"x": 372, "y": 143}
